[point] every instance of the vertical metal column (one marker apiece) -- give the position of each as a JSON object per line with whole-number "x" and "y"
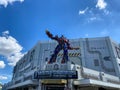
{"x": 39, "y": 87}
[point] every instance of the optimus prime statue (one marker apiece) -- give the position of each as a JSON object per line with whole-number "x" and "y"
{"x": 63, "y": 44}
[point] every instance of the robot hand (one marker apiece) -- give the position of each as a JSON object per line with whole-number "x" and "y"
{"x": 77, "y": 48}
{"x": 48, "y": 33}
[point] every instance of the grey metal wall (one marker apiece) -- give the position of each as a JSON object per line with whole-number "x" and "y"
{"x": 100, "y": 54}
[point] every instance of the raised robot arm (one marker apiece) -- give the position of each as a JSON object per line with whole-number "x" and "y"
{"x": 51, "y": 36}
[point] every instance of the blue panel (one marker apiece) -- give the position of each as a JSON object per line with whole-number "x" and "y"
{"x": 45, "y": 74}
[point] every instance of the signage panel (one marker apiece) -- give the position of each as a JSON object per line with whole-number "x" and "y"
{"x": 47, "y": 74}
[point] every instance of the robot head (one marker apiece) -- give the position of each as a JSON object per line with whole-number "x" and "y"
{"x": 56, "y": 36}
{"x": 62, "y": 37}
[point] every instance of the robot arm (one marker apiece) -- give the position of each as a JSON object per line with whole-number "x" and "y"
{"x": 51, "y": 36}
{"x": 72, "y": 48}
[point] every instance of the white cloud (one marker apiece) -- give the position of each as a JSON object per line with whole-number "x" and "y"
{"x": 93, "y": 18}
{"x": 6, "y": 2}
{"x": 106, "y": 12}
{"x": 104, "y": 32}
{"x": 83, "y": 11}
{"x": 101, "y": 4}
{"x": 14, "y": 58}
{"x": 86, "y": 35}
{"x": 10, "y": 48}
{"x": 2, "y": 64}
{"x": 5, "y": 32}
{"x": 3, "y": 77}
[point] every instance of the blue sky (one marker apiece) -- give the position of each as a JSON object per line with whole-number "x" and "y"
{"x": 23, "y": 24}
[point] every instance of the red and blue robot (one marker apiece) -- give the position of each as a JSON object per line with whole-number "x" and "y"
{"x": 63, "y": 44}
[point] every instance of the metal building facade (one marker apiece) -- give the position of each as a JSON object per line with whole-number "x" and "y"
{"x": 96, "y": 62}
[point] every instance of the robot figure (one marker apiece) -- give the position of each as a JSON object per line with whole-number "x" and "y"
{"x": 63, "y": 44}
